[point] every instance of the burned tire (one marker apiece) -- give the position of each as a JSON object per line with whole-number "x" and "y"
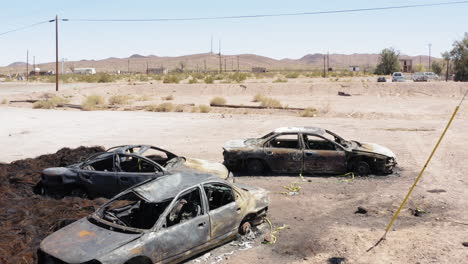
{"x": 245, "y": 228}
{"x": 362, "y": 168}
{"x": 139, "y": 260}
{"x": 255, "y": 167}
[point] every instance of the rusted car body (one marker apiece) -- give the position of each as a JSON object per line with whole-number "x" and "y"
{"x": 108, "y": 173}
{"x": 309, "y": 150}
{"x": 163, "y": 220}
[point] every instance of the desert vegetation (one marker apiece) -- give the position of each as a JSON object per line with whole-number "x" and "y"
{"x": 119, "y": 99}
{"x": 218, "y": 101}
{"x": 50, "y": 103}
{"x": 93, "y": 102}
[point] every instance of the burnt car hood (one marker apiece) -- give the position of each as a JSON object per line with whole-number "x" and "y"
{"x": 240, "y": 143}
{"x": 83, "y": 241}
{"x": 374, "y": 148}
{"x": 204, "y": 166}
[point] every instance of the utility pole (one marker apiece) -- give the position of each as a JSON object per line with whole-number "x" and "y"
{"x": 429, "y": 57}
{"x": 225, "y": 65}
{"x": 237, "y": 63}
{"x": 27, "y": 65}
{"x": 34, "y": 64}
{"x": 56, "y": 56}
{"x": 324, "y": 67}
{"x": 211, "y": 50}
{"x": 147, "y": 68}
{"x": 204, "y": 63}
{"x": 328, "y": 61}
{"x": 219, "y": 55}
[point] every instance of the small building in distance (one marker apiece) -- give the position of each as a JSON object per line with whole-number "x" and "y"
{"x": 84, "y": 71}
{"x": 259, "y": 69}
{"x": 160, "y": 70}
{"x": 406, "y": 65}
{"x": 354, "y": 68}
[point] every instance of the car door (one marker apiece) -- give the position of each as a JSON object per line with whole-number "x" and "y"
{"x": 185, "y": 227}
{"x": 98, "y": 177}
{"x": 132, "y": 169}
{"x": 283, "y": 153}
{"x": 323, "y": 156}
{"x": 223, "y": 210}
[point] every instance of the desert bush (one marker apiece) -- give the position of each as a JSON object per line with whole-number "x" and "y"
{"x": 93, "y": 102}
{"x": 144, "y": 98}
{"x": 308, "y": 112}
{"x": 195, "y": 109}
{"x": 164, "y": 107}
{"x": 237, "y": 77}
{"x": 279, "y": 80}
{"x": 192, "y": 81}
{"x": 270, "y": 102}
{"x": 4, "y": 101}
{"x": 104, "y": 78}
{"x": 209, "y": 79}
{"x": 218, "y": 101}
{"x": 171, "y": 79}
{"x": 292, "y": 75}
{"x": 50, "y": 103}
{"x": 258, "y": 98}
{"x": 143, "y": 78}
{"x": 179, "y": 108}
{"x": 168, "y": 98}
{"x": 204, "y": 108}
{"x": 119, "y": 99}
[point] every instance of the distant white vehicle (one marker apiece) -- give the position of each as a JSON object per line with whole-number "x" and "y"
{"x": 431, "y": 76}
{"x": 398, "y": 77}
{"x": 84, "y": 71}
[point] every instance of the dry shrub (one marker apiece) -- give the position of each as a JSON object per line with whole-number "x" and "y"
{"x": 279, "y": 80}
{"x": 164, "y": 107}
{"x": 204, "y": 108}
{"x": 4, "y": 101}
{"x": 192, "y": 81}
{"x": 179, "y": 108}
{"x": 258, "y": 98}
{"x": 168, "y": 98}
{"x": 195, "y": 109}
{"x": 270, "y": 102}
{"x": 50, "y": 103}
{"x": 308, "y": 112}
{"x": 144, "y": 98}
{"x": 119, "y": 99}
{"x": 171, "y": 79}
{"x": 93, "y": 102}
{"x": 218, "y": 101}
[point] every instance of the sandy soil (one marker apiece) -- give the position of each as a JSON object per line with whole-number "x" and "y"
{"x": 322, "y": 225}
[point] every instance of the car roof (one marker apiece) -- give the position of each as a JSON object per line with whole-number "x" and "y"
{"x": 312, "y": 130}
{"x": 168, "y": 186}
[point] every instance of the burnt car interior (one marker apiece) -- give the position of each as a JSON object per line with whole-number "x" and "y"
{"x": 284, "y": 141}
{"x": 318, "y": 143}
{"x": 188, "y": 206}
{"x": 135, "y": 164}
{"x": 218, "y": 195}
{"x": 132, "y": 211}
{"x": 106, "y": 164}
{"x": 153, "y": 154}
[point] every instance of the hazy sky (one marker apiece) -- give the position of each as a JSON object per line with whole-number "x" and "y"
{"x": 408, "y": 30}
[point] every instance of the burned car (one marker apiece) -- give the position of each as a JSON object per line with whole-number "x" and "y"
{"x": 108, "y": 173}
{"x": 309, "y": 150}
{"x": 163, "y": 220}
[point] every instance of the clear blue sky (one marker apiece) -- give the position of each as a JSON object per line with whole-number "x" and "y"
{"x": 408, "y": 30}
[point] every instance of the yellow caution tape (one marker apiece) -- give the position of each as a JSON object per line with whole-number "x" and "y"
{"x": 273, "y": 232}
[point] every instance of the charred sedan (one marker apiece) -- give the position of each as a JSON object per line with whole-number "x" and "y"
{"x": 163, "y": 220}
{"x": 310, "y": 150}
{"x": 108, "y": 173}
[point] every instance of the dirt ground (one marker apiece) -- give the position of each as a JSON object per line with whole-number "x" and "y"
{"x": 322, "y": 225}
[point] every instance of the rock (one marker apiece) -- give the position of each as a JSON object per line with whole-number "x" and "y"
{"x": 361, "y": 210}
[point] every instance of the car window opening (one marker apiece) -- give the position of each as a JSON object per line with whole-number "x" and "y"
{"x": 187, "y": 207}
{"x": 284, "y": 141}
{"x": 135, "y": 164}
{"x": 130, "y": 210}
{"x": 106, "y": 164}
{"x": 218, "y": 195}
{"x": 318, "y": 143}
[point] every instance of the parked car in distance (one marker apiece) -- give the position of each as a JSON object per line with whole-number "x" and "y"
{"x": 309, "y": 150}
{"x": 381, "y": 79}
{"x": 398, "y": 77}
{"x": 162, "y": 220}
{"x": 431, "y": 76}
{"x": 419, "y": 77}
{"x": 108, "y": 173}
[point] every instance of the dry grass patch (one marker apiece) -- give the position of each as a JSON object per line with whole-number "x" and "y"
{"x": 4, "y": 101}
{"x": 218, "y": 101}
{"x": 258, "y": 98}
{"x": 270, "y": 102}
{"x": 50, "y": 103}
{"x": 164, "y": 107}
{"x": 308, "y": 112}
{"x": 179, "y": 108}
{"x": 204, "y": 108}
{"x": 119, "y": 99}
{"x": 168, "y": 98}
{"x": 93, "y": 102}
{"x": 144, "y": 98}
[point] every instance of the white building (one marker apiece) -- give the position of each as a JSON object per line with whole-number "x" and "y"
{"x": 84, "y": 71}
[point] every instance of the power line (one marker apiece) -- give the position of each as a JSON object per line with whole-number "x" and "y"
{"x": 263, "y": 15}
{"x": 25, "y": 27}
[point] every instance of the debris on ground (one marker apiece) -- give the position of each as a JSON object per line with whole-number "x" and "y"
{"x": 465, "y": 244}
{"x": 436, "y": 191}
{"x": 271, "y": 238}
{"x": 343, "y": 94}
{"x": 28, "y": 218}
{"x": 361, "y": 210}
{"x": 418, "y": 212}
{"x": 337, "y": 260}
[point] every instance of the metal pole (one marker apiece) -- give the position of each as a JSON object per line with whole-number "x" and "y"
{"x": 27, "y": 65}
{"x": 430, "y": 57}
{"x": 238, "y": 64}
{"x": 56, "y": 56}
{"x": 324, "y": 70}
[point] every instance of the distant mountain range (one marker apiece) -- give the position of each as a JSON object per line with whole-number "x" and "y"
{"x": 211, "y": 62}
